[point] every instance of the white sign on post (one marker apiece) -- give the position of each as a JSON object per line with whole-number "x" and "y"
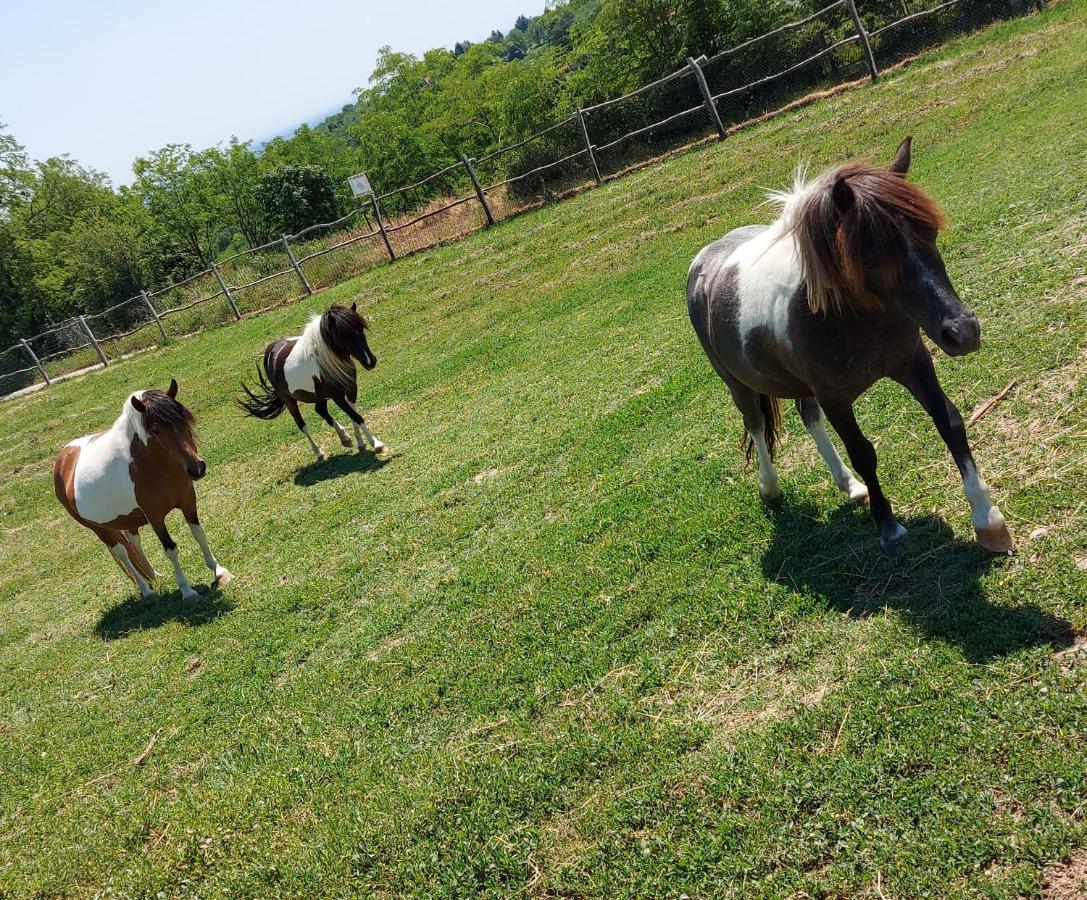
{"x": 360, "y": 185}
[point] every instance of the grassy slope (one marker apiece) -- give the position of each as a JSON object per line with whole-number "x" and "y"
{"x": 555, "y": 644}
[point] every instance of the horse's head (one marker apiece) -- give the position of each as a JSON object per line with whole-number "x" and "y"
{"x": 170, "y": 425}
{"x": 868, "y": 237}
{"x": 344, "y": 331}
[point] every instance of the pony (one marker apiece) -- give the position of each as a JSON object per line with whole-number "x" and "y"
{"x": 315, "y": 367}
{"x": 114, "y": 482}
{"x": 827, "y": 300}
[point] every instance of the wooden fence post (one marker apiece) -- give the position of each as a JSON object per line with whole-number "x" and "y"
{"x": 154, "y": 313}
{"x": 707, "y": 97}
{"x": 297, "y": 268}
{"x": 381, "y": 227}
{"x": 37, "y": 362}
{"x": 866, "y": 45}
{"x": 479, "y": 189}
{"x": 94, "y": 341}
{"x": 226, "y": 291}
{"x": 589, "y": 147}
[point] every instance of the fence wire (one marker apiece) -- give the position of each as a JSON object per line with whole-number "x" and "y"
{"x": 687, "y": 106}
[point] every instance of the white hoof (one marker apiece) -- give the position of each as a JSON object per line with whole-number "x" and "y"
{"x": 379, "y": 447}
{"x": 858, "y": 492}
{"x": 322, "y": 456}
{"x": 770, "y": 493}
{"x": 223, "y": 576}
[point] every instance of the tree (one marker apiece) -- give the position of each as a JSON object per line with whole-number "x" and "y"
{"x": 174, "y": 185}
{"x": 233, "y": 173}
{"x": 295, "y": 197}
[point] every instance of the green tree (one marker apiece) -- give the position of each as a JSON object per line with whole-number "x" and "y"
{"x": 295, "y": 197}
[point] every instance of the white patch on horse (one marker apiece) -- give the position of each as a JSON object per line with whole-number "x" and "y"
{"x": 839, "y": 471}
{"x": 768, "y": 275}
{"x": 769, "y": 487}
{"x": 985, "y": 513}
{"x": 121, "y": 555}
{"x": 311, "y": 357}
{"x": 102, "y": 482}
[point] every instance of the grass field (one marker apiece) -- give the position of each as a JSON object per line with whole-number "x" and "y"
{"x": 554, "y": 645}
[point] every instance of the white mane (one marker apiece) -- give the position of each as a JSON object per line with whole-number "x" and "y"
{"x": 129, "y": 423}
{"x": 790, "y": 201}
{"x": 311, "y": 346}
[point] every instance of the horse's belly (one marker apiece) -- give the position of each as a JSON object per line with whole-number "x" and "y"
{"x": 102, "y": 487}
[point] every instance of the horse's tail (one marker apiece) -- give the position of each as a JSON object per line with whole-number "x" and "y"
{"x": 770, "y": 407}
{"x": 267, "y": 404}
{"x": 136, "y": 557}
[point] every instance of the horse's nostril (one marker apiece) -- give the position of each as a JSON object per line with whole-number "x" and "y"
{"x": 950, "y": 335}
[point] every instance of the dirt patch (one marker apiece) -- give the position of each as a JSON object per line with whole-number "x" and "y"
{"x": 1066, "y": 880}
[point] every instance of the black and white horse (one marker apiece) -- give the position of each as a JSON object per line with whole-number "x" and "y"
{"x": 827, "y": 300}
{"x": 315, "y": 367}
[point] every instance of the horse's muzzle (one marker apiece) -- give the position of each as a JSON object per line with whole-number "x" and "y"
{"x": 197, "y": 470}
{"x": 960, "y": 335}
{"x": 369, "y": 363}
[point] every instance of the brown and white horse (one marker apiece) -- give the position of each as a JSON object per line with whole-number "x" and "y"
{"x": 116, "y": 481}
{"x": 315, "y": 367}
{"x": 826, "y": 301}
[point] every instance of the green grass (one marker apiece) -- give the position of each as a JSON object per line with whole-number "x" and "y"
{"x": 554, "y": 645}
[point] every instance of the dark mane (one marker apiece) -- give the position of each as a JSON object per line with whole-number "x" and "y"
{"x": 341, "y": 327}
{"x": 884, "y": 214}
{"x": 164, "y": 412}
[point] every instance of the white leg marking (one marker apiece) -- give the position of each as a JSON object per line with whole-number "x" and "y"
{"x": 318, "y": 452}
{"x": 374, "y": 442}
{"x": 137, "y": 545}
{"x": 839, "y": 471}
{"x": 221, "y": 574}
{"x": 187, "y": 593}
{"x": 121, "y": 555}
{"x": 345, "y": 438}
{"x": 986, "y": 517}
{"x": 768, "y": 476}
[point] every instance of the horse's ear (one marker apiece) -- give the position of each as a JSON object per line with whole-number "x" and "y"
{"x": 354, "y": 307}
{"x": 900, "y": 165}
{"x": 171, "y": 391}
{"x": 842, "y": 194}
{"x": 138, "y": 404}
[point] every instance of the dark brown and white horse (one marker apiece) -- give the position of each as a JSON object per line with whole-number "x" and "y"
{"x": 132, "y": 475}
{"x": 315, "y": 367}
{"x": 826, "y": 301}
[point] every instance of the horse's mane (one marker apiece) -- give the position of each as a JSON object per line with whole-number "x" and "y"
{"x": 883, "y": 211}
{"x": 163, "y": 411}
{"x": 329, "y": 339}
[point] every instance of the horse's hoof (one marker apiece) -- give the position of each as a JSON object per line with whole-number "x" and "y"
{"x": 379, "y": 447}
{"x": 190, "y": 596}
{"x": 858, "y": 493}
{"x": 346, "y": 442}
{"x": 895, "y": 541}
{"x": 223, "y": 576}
{"x": 996, "y": 540}
{"x": 322, "y": 457}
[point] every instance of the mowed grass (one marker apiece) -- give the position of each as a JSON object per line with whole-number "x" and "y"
{"x": 553, "y": 644}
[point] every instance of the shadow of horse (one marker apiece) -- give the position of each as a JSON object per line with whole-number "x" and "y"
{"x": 137, "y": 614}
{"x": 936, "y": 583}
{"x": 339, "y": 465}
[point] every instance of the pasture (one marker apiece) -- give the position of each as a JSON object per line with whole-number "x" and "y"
{"x": 552, "y": 643}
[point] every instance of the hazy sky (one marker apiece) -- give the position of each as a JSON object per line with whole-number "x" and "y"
{"x": 108, "y": 80}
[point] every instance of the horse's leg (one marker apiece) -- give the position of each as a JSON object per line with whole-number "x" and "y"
{"x": 863, "y": 456}
{"x": 322, "y": 410}
{"x": 988, "y": 521}
{"x": 748, "y": 403}
{"x": 137, "y": 547}
{"x": 117, "y": 549}
{"x": 359, "y": 422}
{"x": 158, "y": 523}
{"x": 812, "y": 414}
{"x": 188, "y": 509}
{"x": 292, "y": 406}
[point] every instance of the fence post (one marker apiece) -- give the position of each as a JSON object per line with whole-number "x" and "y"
{"x": 870, "y": 58}
{"x": 297, "y": 268}
{"x": 381, "y": 226}
{"x": 37, "y": 362}
{"x": 94, "y": 341}
{"x": 479, "y": 190}
{"x": 226, "y": 291}
{"x": 589, "y": 147}
{"x": 154, "y": 313}
{"x": 707, "y": 97}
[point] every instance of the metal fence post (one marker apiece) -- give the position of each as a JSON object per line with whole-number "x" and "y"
{"x": 707, "y": 97}
{"x": 226, "y": 291}
{"x": 297, "y": 268}
{"x": 37, "y": 362}
{"x": 479, "y": 190}
{"x": 381, "y": 227}
{"x": 863, "y": 35}
{"x": 589, "y": 147}
{"x": 154, "y": 313}
{"x": 94, "y": 341}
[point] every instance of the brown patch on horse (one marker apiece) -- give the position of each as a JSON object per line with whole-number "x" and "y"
{"x": 854, "y": 217}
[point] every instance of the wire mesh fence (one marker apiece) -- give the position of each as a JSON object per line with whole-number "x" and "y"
{"x": 844, "y": 41}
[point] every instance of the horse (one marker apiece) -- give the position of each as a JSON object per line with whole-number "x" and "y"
{"x": 830, "y": 298}
{"x": 315, "y": 367}
{"x": 114, "y": 482}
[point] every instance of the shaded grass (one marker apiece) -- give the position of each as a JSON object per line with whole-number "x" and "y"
{"x": 555, "y": 645}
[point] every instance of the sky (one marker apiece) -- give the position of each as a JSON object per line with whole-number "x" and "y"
{"x": 108, "y": 80}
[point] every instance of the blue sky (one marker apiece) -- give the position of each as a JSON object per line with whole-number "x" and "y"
{"x": 108, "y": 80}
